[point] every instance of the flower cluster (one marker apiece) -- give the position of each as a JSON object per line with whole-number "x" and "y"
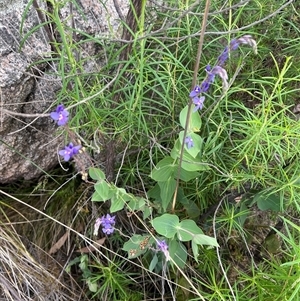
{"x": 108, "y": 223}
{"x": 61, "y": 115}
{"x": 219, "y": 70}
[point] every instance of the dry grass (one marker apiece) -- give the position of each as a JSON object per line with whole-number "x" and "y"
{"x": 27, "y": 270}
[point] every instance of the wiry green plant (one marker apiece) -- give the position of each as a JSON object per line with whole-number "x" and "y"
{"x": 248, "y": 148}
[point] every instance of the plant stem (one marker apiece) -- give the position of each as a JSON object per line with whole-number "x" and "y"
{"x": 194, "y": 81}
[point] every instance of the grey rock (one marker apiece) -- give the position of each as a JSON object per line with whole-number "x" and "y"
{"x": 28, "y": 85}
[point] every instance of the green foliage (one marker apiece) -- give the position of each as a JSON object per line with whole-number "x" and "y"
{"x": 246, "y": 142}
{"x": 267, "y": 201}
{"x": 83, "y": 263}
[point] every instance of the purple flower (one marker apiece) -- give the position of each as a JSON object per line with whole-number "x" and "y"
{"x": 234, "y": 44}
{"x": 246, "y": 40}
{"x": 107, "y": 222}
{"x": 198, "y": 102}
{"x": 195, "y": 92}
{"x": 60, "y": 115}
{"x": 189, "y": 142}
{"x": 69, "y": 151}
{"x": 217, "y": 70}
{"x": 109, "y": 219}
{"x": 207, "y": 68}
{"x": 108, "y": 230}
{"x": 206, "y": 84}
{"x": 223, "y": 57}
{"x": 162, "y": 245}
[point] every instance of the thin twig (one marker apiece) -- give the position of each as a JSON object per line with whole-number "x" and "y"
{"x": 12, "y": 113}
{"x": 118, "y": 9}
{"x": 236, "y": 30}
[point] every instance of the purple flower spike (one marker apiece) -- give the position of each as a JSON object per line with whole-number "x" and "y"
{"x": 198, "y": 102}
{"x": 189, "y": 142}
{"x": 218, "y": 70}
{"x": 69, "y": 151}
{"x": 60, "y": 115}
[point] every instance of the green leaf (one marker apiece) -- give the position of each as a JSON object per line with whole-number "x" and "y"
{"x": 136, "y": 203}
{"x": 201, "y": 239}
{"x": 267, "y": 201}
{"x": 154, "y": 193}
{"x": 175, "y": 151}
{"x": 195, "y": 249}
{"x": 153, "y": 263}
{"x": 93, "y": 286}
{"x": 167, "y": 189}
{"x": 166, "y": 225}
{"x": 190, "y": 206}
{"x": 97, "y": 198}
{"x": 189, "y": 163}
{"x": 84, "y": 263}
{"x": 71, "y": 263}
{"x": 187, "y": 229}
{"x": 96, "y": 174}
{"x": 117, "y": 204}
{"x": 178, "y": 253}
{"x": 195, "y": 120}
{"x": 164, "y": 170}
{"x": 147, "y": 211}
{"x": 137, "y": 245}
{"x": 140, "y": 204}
{"x": 104, "y": 190}
{"x": 197, "y": 140}
{"x": 188, "y": 175}
{"x": 119, "y": 199}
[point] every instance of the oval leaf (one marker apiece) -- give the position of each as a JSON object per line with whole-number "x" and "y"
{"x": 187, "y": 229}
{"x": 167, "y": 189}
{"x": 267, "y": 201}
{"x": 96, "y": 174}
{"x": 201, "y": 239}
{"x": 197, "y": 141}
{"x": 178, "y": 253}
{"x": 103, "y": 190}
{"x": 163, "y": 173}
{"x": 166, "y": 225}
{"x": 195, "y": 120}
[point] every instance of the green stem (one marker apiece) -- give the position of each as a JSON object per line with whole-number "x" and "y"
{"x": 194, "y": 81}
